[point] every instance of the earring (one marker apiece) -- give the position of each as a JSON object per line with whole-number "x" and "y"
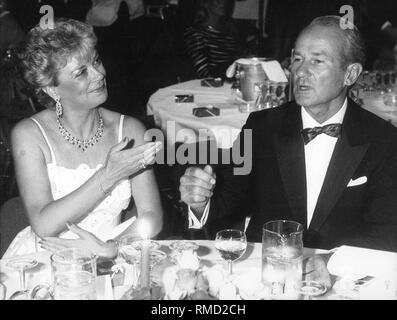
{"x": 58, "y": 107}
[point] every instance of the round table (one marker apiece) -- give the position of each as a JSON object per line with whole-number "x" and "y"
{"x": 180, "y": 125}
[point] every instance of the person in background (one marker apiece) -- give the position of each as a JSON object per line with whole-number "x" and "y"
{"x": 320, "y": 160}
{"x": 11, "y": 33}
{"x": 78, "y": 164}
{"x": 378, "y": 22}
{"x": 212, "y": 42}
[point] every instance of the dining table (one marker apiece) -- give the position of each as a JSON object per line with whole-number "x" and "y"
{"x": 107, "y": 289}
{"x": 179, "y": 124}
{"x": 177, "y": 121}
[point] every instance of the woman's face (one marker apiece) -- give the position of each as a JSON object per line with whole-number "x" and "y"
{"x": 82, "y": 84}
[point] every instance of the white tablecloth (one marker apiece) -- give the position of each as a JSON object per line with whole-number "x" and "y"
{"x": 172, "y": 117}
{"x": 249, "y": 262}
{"x": 42, "y": 274}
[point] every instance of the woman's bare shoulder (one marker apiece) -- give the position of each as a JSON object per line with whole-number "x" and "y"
{"x": 26, "y": 130}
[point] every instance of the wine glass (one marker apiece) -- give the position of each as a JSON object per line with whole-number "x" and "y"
{"x": 21, "y": 265}
{"x": 231, "y": 244}
{"x": 309, "y": 289}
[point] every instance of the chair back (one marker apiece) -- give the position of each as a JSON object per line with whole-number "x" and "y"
{"x": 12, "y": 220}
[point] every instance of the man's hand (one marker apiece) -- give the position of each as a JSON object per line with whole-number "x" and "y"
{"x": 196, "y": 187}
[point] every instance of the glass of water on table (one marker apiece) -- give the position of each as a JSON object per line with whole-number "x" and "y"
{"x": 74, "y": 274}
{"x": 282, "y": 259}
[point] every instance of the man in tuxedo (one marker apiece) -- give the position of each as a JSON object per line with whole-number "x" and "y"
{"x": 321, "y": 160}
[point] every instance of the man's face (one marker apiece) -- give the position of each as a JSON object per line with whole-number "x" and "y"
{"x": 318, "y": 76}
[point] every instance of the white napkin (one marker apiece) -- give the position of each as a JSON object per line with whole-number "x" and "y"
{"x": 360, "y": 262}
{"x": 272, "y": 68}
{"x": 274, "y": 71}
{"x": 232, "y": 68}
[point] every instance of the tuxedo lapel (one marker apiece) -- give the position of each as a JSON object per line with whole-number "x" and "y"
{"x": 348, "y": 153}
{"x": 291, "y": 159}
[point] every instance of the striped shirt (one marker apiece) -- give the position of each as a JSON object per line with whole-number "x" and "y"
{"x": 210, "y": 50}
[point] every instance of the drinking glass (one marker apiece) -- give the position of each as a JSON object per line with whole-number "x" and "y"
{"x": 74, "y": 274}
{"x": 267, "y": 98}
{"x": 390, "y": 99}
{"x": 310, "y": 289}
{"x": 130, "y": 252}
{"x": 179, "y": 247}
{"x": 231, "y": 244}
{"x": 282, "y": 259}
{"x": 21, "y": 265}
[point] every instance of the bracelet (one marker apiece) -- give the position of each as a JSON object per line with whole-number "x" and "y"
{"x": 100, "y": 184}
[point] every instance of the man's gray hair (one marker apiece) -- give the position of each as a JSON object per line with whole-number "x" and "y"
{"x": 353, "y": 46}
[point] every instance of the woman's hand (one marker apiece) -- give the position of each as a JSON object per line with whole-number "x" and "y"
{"x": 86, "y": 241}
{"x": 122, "y": 163}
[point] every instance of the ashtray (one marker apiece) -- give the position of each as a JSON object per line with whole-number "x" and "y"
{"x": 183, "y": 245}
{"x": 154, "y": 245}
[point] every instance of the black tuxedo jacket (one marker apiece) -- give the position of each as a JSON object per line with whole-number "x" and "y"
{"x": 362, "y": 215}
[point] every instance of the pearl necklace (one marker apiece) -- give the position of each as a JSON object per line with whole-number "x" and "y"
{"x": 82, "y": 144}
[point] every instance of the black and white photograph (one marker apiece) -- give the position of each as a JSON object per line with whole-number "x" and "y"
{"x": 198, "y": 154}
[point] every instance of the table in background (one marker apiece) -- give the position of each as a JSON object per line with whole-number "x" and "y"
{"x": 373, "y": 102}
{"x": 172, "y": 117}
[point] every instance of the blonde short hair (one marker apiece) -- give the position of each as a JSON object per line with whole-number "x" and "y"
{"x": 46, "y": 51}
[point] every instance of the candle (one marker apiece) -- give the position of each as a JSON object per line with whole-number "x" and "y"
{"x": 145, "y": 254}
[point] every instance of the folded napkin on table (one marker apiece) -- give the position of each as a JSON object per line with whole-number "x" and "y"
{"x": 360, "y": 262}
{"x": 272, "y": 68}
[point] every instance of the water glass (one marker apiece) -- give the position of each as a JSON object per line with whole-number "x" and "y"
{"x": 74, "y": 274}
{"x": 390, "y": 99}
{"x": 282, "y": 259}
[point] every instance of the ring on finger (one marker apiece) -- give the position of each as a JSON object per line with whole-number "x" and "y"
{"x": 142, "y": 163}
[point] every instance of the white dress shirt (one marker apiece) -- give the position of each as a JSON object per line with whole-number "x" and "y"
{"x": 318, "y": 154}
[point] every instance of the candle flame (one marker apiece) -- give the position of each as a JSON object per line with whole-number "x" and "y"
{"x": 144, "y": 229}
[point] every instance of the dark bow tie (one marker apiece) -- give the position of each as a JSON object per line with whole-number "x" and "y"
{"x": 332, "y": 130}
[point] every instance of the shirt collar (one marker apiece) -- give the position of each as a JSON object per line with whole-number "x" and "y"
{"x": 309, "y": 122}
